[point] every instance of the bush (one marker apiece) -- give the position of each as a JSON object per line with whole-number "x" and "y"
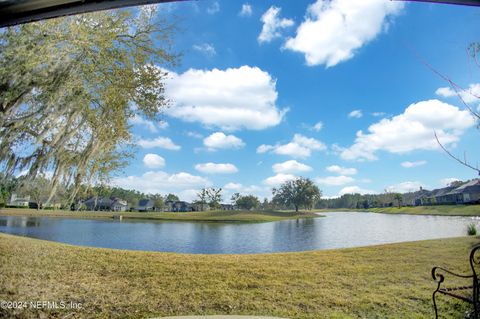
{"x": 471, "y": 229}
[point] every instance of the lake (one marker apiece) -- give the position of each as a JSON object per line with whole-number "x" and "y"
{"x": 335, "y": 230}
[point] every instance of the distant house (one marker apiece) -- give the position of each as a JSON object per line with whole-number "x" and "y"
{"x": 105, "y": 204}
{"x": 227, "y": 207}
{"x": 467, "y": 193}
{"x": 118, "y": 205}
{"x": 178, "y": 206}
{"x": 441, "y": 196}
{"x": 200, "y": 207}
{"x": 16, "y": 200}
{"x": 422, "y": 197}
{"x": 146, "y": 205}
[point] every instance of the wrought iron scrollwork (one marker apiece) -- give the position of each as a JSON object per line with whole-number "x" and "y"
{"x": 439, "y": 273}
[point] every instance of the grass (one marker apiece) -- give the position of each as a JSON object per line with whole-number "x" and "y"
{"x": 387, "y": 281}
{"x": 443, "y": 210}
{"x": 210, "y": 216}
{"x": 472, "y": 229}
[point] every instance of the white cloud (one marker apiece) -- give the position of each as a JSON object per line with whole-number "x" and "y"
{"x": 216, "y": 168}
{"x": 411, "y": 130}
{"x": 161, "y": 182}
{"x": 219, "y": 140}
{"x": 318, "y": 126}
{"x": 194, "y": 134}
{"x": 205, "y": 48}
{"x": 341, "y": 170}
{"x": 138, "y": 120}
{"x": 378, "y": 114}
{"x": 278, "y": 179}
{"x": 246, "y": 10}
{"x": 153, "y": 161}
{"x": 161, "y": 142}
{"x": 300, "y": 146}
{"x": 447, "y": 181}
{"x": 334, "y": 180}
{"x": 408, "y": 164}
{"x": 290, "y": 166}
{"x": 230, "y": 99}
{"x": 213, "y": 8}
{"x": 163, "y": 125}
{"x": 355, "y": 114}
{"x": 355, "y": 190}
{"x": 233, "y": 186}
{"x": 405, "y": 187}
{"x": 334, "y": 30}
{"x": 236, "y": 187}
{"x": 272, "y": 25}
{"x": 470, "y": 95}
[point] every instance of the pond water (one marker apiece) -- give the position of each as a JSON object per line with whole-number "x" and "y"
{"x": 336, "y": 230}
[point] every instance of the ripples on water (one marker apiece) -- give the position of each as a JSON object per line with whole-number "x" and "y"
{"x": 336, "y": 230}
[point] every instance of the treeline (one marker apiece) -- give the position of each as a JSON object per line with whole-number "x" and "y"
{"x": 39, "y": 189}
{"x": 358, "y": 201}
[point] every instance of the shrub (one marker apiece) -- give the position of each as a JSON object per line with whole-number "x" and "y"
{"x": 471, "y": 229}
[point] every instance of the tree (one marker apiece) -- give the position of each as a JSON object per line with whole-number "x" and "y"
{"x": 171, "y": 198}
{"x": 399, "y": 198}
{"x": 7, "y": 187}
{"x": 248, "y": 202}
{"x": 234, "y": 198}
{"x": 38, "y": 190}
{"x": 157, "y": 201}
{"x": 265, "y": 204}
{"x": 68, "y": 87}
{"x": 298, "y": 192}
{"x": 214, "y": 196}
{"x": 202, "y": 199}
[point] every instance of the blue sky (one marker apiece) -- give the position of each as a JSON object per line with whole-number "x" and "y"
{"x": 334, "y": 91}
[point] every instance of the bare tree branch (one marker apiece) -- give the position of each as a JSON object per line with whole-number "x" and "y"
{"x": 464, "y": 162}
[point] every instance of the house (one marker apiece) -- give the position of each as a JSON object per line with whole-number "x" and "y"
{"x": 421, "y": 197}
{"x": 467, "y": 193}
{"x": 441, "y": 196}
{"x": 18, "y": 201}
{"x": 146, "y": 205}
{"x": 105, "y": 204}
{"x": 118, "y": 205}
{"x": 178, "y": 206}
{"x": 200, "y": 207}
{"x": 227, "y": 207}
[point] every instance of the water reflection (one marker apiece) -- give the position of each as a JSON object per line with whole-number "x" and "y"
{"x": 20, "y": 222}
{"x": 336, "y": 230}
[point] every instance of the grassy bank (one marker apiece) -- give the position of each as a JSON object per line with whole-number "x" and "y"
{"x": 388, "y": 281}
{"x": 211, "y": 216}
{"x": 447, "y": 210}
{"x": 444, "y": 210}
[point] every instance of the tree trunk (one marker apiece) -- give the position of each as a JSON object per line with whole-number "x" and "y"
{"x": 296, "y": 208}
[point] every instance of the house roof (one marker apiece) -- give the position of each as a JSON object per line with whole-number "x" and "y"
{"x": 471, "y": 186}
{"x": 442, "y": 191}
{"x": 145, "y": 202}
{"x": 473, "y": 182}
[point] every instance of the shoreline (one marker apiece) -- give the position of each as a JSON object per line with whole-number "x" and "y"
{"x": 209, "y": 216}
{"x": 434, "y": 210}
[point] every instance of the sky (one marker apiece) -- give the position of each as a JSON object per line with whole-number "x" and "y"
{"x": 337, "y": 91}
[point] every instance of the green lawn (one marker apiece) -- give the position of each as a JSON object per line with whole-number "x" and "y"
{"x": 387, "y": 281}
{"x": 211, "y": 216}
{"x": 451, "y": 210}
{"x": 447, "y": 210}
